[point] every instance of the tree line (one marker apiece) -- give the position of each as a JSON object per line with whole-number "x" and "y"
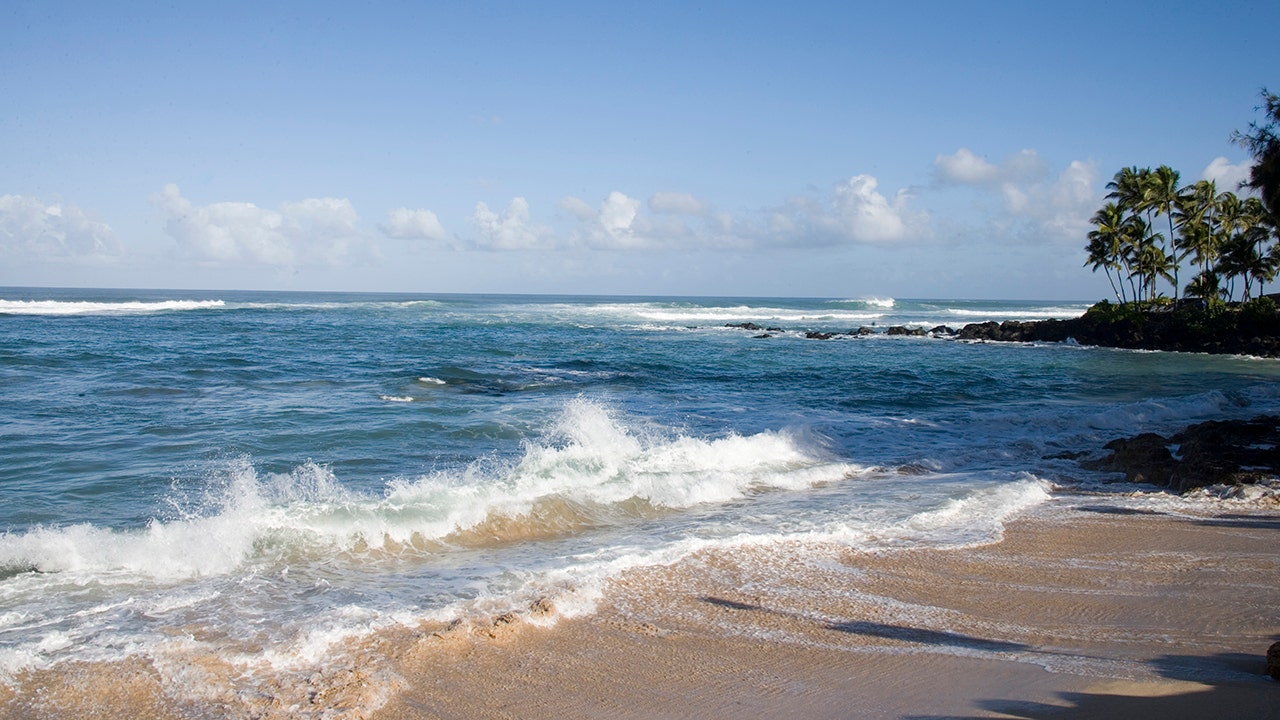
{"x": 1232, "y": 242}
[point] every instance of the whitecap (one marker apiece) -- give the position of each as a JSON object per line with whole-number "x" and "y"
{"x": 65, "y": 307}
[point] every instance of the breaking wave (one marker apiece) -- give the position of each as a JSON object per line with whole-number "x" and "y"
{"x": 593, "y": 470}
{"x": 66, "y": 307}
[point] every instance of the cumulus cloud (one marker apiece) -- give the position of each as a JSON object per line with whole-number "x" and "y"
{"x": 1069, "y": 201}
{"x": 617, "y": 219}
{"x": 317, "y": 231}
{"x": 964, "y": 167}
{"x": 1058, "y": 209}
{"x": 616, "y": 225}
{"x": 1029, "y": 198}
{"x": 405, "y": 224}
{"x": 857, "y": 212}
{"x": 868, "y": 216}
{"x": 1228, "y": 176}
{"x": 32, "y": 227}
{"x": 512, "y": 230}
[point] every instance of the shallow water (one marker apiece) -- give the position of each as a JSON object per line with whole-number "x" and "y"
{"x": 265, "y": 476}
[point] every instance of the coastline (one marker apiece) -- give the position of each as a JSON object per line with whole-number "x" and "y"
{"x": 1251, "y": 329}
{"x": 1090, "y": 606}
{"x": 1084, "y": 609}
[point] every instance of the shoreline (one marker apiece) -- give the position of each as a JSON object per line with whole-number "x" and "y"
{"x": 1086, "y": 608}
{"x": 1054, "y": 620}
{"x": 1090, "y": 606}
{"x": 1251, "y": 328}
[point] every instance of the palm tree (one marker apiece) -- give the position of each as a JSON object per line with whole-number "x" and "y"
{"x": 1196, "y": 210}
{"x": 1153, "y": 263}
{"x": 1206, "y": 284}
{"x": 1226, "y": 228}
{"x": 1160, "y": 193}
{"x": 1107, "y": 246}
{"x": 1239, "y": 259}
{"x": 1128, "y": 188}
{"x": 1146, "y": 256}
{"x": 1199, "y": 241}
{"x": 1254, "y": 228}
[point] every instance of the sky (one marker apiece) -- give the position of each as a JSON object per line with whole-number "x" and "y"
{"x": 806, "y": 149}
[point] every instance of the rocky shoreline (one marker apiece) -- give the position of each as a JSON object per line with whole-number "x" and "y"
{"x": 1242, "y": 329}
{"x": 1217, "y": 452}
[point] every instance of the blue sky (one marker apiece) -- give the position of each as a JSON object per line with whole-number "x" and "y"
{"x": 928, "y": 149}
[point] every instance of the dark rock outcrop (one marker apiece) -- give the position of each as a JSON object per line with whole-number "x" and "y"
{"x": 1248, "y": 329}
{"x": 1218, "y": 452}
{"x": 1144, "y": 459}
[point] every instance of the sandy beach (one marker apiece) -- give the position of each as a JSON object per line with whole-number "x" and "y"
{"x": 1087, "y": 608}
{"x": 1084, "y": 610}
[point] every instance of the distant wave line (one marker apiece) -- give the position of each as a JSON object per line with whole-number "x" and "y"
{"x": 66, "y": 307}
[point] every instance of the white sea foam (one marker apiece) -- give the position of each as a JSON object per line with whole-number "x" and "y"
{"x": 753, "y": 314}
{"x": 974, "y": 517}
{"x": 679, "y": 315}
{"x": 67, "y": 307}
{"x": 396, "y": 398}
{"x": 877, "y": 302}
{"x": 426, "y": 380}
{"x": 592, "y": 457}
{"x": 1043, "y": 313}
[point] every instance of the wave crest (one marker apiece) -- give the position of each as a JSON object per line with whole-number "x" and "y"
{"x": 69, "y": 307}
{"x": 593, "y": 469}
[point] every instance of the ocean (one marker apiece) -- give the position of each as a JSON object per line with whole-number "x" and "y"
{"x": 267, "y": 478}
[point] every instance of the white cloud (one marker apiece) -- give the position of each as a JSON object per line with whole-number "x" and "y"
{"x": 677, "y": 204}
{"x": 1068, "y": 202}
{"x": 512, "y": 230}
{"x": 857, "y": 213}
{"x": 618, "y": 224}
{"x": 405, "y": 224}
{"x": 1226, "y": 175}
{"x": 31, "y": 227}
{"x": 318, "y": 231}
{"x": 868, "y": 216}
{"x": 964, "y": 167}
{"x": 1024, "y": 196}
{"x": 578, "y": 207}
{"x": 618, "y": 218}
{"x": 1057, "y": 210}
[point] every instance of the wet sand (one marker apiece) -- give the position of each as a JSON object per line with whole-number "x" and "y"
{"x": 1085, "y": 610}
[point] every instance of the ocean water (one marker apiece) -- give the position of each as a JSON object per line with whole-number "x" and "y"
{"x": 262, "y": 477}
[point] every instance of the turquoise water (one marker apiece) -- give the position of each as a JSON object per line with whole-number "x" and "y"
{"x": 288, "y": 470}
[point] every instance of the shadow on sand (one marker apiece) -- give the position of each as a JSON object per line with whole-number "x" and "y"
{"x": 902, "y": 633}
{"x": 1235, "y": 686}
{"x": 1231, "y": 685}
